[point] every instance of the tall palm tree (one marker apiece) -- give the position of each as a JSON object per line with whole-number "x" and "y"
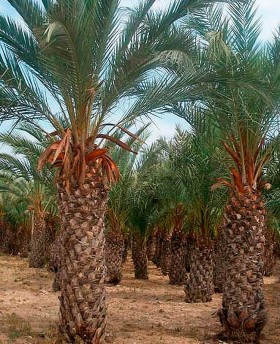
{"x": 82, "y": 60}
{"x": 243, "y": 101}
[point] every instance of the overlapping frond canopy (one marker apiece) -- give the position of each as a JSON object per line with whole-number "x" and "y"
{"x": 242, "y": 92}
{"x": 82, "y": 63}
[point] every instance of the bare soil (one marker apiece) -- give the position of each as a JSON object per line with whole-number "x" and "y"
{"x": 146, "y": 312}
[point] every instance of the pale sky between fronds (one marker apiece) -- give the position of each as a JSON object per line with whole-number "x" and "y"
{"x": 269, "y": 11}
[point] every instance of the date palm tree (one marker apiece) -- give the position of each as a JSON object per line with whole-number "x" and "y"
{"x": 143, "y": 200}
{"x": 118, "y": 205}
{"x": 81, "y": 60}
{"x": 15, "y": 226}
{"x": 24, "y": 184}
{"x": 243, "y": 101}
{"x": 194, "y": 162}
{"x": 205, "y": 209}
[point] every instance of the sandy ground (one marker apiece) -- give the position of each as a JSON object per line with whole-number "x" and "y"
{"x": 146, "y": 312}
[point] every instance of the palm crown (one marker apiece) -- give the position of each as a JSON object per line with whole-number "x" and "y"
{"x": 87, "y": 61}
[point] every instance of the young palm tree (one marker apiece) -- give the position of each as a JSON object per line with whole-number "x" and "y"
{"x": 118, "y": 205}
{"x": 33, "y": 196}
{"x": 193, "y": 167}
{"x": 24, "y": 183}
{"x": 173, "y": 206}
{"x": 89, "y": 60}
{"x": 15, "y": 226}
{"x": 143, "y": 206}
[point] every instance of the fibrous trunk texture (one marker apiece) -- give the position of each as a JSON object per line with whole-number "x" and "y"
{"x": 190, "y": 244}
{"x": 158, "y": 246}
{"x": 243, "y": 308}
{"x": 37, "y": 254}
{"x": 219, "y": 261}
{"x": 199, "y": 286}
{"x": 55, "y": 262}
{"x": 22, "y": 241}
{"x": 177, "y": 269}
{"x": 82, "y": 301}
{"x": 114, "y": 255}
{"x": 7, "y": 237}
{"x": 151, "y": 246}
{"x": 269, "y": 252}
{"x": 165, "y": 254}
{"x": 139, "y": 256}
{"x": 52, "y": 225}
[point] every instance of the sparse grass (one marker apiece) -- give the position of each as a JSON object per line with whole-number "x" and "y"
{"x": 17, "y": 327}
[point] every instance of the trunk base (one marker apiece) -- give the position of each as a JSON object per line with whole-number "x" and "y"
{"x": 199, "y": 287}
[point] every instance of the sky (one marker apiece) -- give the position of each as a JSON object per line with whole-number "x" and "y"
{"x": 269, "y": 10}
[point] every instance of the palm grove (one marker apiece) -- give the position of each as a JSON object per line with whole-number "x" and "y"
{"x": 82, "y": 193}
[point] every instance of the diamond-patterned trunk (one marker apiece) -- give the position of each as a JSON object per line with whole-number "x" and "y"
{"x": 37, "y": 254}
{"x": 114, "y": 251}
{"x": 199, "y": 286}
{"x": 219, "y": 261}
{"x": 190, "y": 244}
{"x": 243, "y": 308}
{"x": 82, "y": 301}
{"x": 139, "y": 256}
{"x": 177, "y": 269}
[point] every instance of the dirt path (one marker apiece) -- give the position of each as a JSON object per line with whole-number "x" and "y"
{"x": 146, "y": 312}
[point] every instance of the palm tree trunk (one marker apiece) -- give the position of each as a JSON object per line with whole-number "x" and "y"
{"x": 199, "y": 286}
{"x": 219, "y": 261}
{"x": 114, "y": 251}
{"x": 7, "y": 237}
{"x": 151, "y": 246}
{"x": 139, "y": 256}
{"x": 82, "y": 301}
{"x": 37, "y": 255}
{"x": 52, "y": 225}
{"x": 190, "y": 244}
{"x": 243, "y": 308}
{"x": 269, "y": 254}
{"x": 165, "y": 254}
{"x": 158, "y": 246}
{"x": 177, "y": 269}
{"x": 55, "y": 262}
{"x": 22, "y": 241}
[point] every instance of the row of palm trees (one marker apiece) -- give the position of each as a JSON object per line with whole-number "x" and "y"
{"x": 89, "y": 73}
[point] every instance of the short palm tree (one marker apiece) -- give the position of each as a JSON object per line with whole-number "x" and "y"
{"x": 118, "y": 205}
{"x": 14, "y": 226}
{"x": 143, "y": 204}
{"x": 193, "y": 166}
{"x": 199, "y": 166}
{"x": 86, "y": 60}
{"x": 24, "y": 184}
